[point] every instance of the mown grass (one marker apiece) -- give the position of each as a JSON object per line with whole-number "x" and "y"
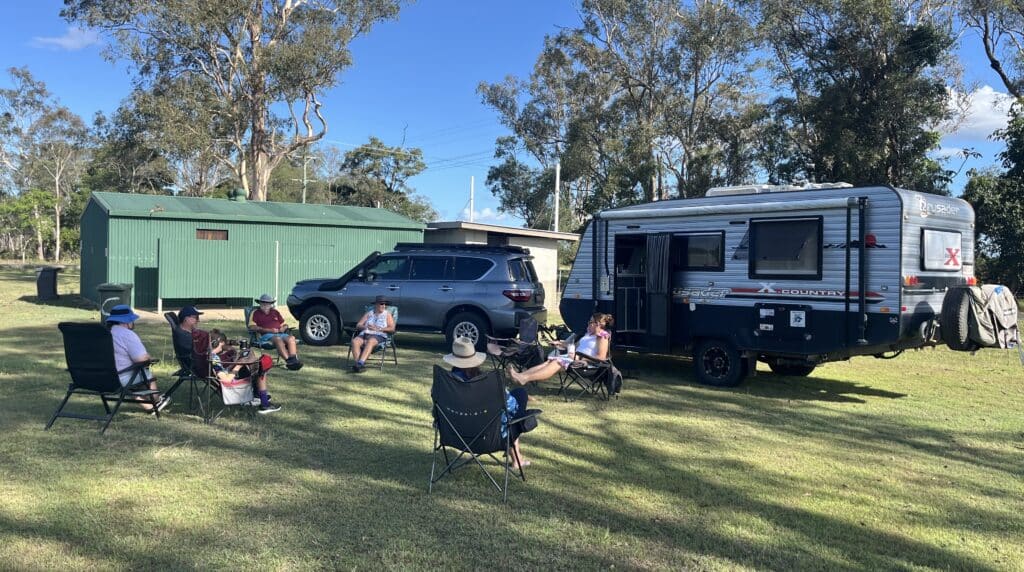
{"x": 914, "y": 463}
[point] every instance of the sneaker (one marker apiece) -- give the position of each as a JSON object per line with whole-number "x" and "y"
{"x": 163, "y": 403}
{"x": 293, "y": 364}
{"x": 268, "y": 408}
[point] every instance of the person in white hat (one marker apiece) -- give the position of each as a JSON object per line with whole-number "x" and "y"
{"x": 269, "y": 323}
{"x": 466, "y": 362}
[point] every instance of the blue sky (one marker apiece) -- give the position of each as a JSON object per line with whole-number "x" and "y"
{"x": 416, "y": 76}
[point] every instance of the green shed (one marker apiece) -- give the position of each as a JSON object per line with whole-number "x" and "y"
{"x": 185, "y": 248}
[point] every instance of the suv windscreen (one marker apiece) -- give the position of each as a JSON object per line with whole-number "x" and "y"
{"x": 467, "y": 268}
{"x": 389, "y": 268}
{"x": 429, "y": 267}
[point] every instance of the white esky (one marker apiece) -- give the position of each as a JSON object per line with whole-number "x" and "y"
{"x": 414, "y": 83}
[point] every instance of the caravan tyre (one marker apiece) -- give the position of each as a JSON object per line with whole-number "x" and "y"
{"x": 718, "y": 363}
{"x": 790, "y": 369}
{"x": 953, "y": 320}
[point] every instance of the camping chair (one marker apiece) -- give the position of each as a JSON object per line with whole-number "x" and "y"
{"x": 254, "y": 336}
{"x": 590, "y": 375}
{"x": 381, "y": 348}
{"x": 89, "y": 351}
{"x": 467, "y": 425}
{"x": 522, "y": 353}
{"x": 183, "y": 354}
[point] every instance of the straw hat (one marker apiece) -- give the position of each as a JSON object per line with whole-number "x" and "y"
{"x": 464, "y": 355}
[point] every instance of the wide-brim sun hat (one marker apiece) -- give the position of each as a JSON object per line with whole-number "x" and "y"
{"x": 464, "y": 355}
{"x": 266, "y": 299}
{"x": 380, "y": 299}
{"x": 122, "y": 314}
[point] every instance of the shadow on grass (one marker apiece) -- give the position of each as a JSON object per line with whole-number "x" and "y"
{"x": 373, "y": 431}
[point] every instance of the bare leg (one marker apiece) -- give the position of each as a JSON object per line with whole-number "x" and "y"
{"x": 281, "y": 349}
{"x": 536, "y": 373}
{"x": 291, "y": 346}
{"x": 357, "y": 347}
{"x": 368, "y": 349}
{"x": 519, "y": 454}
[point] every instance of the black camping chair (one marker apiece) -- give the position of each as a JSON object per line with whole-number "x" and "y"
{"x": 210, "y": 395}
{"x": 182, "y": 343}
{"x": 89, "y": 351}
{"x": 590, "y": 375}
{"x": 467, "y": 425}
{"x": 522, "y": 353}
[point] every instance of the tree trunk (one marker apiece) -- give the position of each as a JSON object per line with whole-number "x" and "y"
{"x": 56, "y": 218}
{"x": 39, "y": 234}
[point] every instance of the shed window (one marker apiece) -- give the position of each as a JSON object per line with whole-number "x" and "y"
{"x": 785, "y": 248}
{"x": 211, "y": 234}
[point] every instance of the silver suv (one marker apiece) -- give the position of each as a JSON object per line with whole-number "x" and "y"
{"x": 459, "y": 289}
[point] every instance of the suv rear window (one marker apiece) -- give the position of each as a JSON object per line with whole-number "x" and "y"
{"x": 521, "y": 270}
{"x": 467, "y": 268}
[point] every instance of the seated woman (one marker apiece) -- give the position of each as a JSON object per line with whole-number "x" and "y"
{"x": 595, "y": 344}
{"x": 373, "y": 329}
{"x": 227, "y": 365}
{"x": 465, "y": 362}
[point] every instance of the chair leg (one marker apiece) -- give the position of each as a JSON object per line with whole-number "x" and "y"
{"x": 61, "y": 407}
{"x": 110, "y": 417}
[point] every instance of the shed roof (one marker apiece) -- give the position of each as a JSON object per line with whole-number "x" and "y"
{"x": 498, "y": 229}
{"x": 196, "y": 208}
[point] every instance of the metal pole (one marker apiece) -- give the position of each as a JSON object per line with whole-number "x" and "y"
{"x": 471, "y": 207}
{"x": 304, "y": 179}
{"x": 558, "y": 190}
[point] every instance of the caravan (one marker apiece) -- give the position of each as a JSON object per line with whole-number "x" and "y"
{"x": 792, "y": 276}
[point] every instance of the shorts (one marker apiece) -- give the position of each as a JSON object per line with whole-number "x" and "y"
{"x": 133, "y": 378}
{"x": 381, "y": 338}
{"x": 563, "y": 360}
{"x": 265, "y": 338}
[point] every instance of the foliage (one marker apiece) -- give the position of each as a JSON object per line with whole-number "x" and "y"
{"x": 1000, "y": 25}
{"x": 127, "y": 156}
{"x": 998, "y": 201}
{"x": 240, "y": 61}
{"x": 377, "y": 175}
{"x": 867, "y": 91}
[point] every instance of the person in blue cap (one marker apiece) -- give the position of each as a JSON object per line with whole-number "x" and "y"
{"x": 128, "y": 350}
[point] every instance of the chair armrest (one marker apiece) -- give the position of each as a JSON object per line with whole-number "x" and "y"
{"x": 139, "y": 365}
{"x": 528, "y": 414}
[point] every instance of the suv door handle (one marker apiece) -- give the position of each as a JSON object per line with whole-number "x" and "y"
{"x": 393, "y": 287}
{"x": 446, "y": 288}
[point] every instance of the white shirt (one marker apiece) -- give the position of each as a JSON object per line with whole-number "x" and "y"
{"x": 128, "y": 349}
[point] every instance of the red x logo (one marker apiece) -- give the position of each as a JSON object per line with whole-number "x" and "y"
{"x": 953, "y": 253}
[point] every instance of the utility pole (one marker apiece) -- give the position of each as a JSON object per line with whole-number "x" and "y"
{"x": 558, "y": 190}
{"x": 471, "y": 180}
{"x": 305, "y": 180}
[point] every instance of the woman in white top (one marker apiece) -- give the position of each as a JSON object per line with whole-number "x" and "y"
{"x": 595, "y": 344}
{"x": 373, "y": 329}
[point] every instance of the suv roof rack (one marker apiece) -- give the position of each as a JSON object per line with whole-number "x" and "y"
{"x": 424, "y": 246}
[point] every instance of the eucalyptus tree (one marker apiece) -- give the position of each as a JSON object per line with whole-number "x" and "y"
{"x": 377, "y": 175}
{"x": 865, "y": 88}
{"x": 259, "y": 66}
{"x": 1000, "y": 26}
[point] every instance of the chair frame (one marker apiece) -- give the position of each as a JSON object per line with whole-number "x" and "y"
{"x": 382, "y": 348}
{"x": 254, "y": 336}
{"x": 126, "y": 394}
{"x": 588, "y": 375}
{"x": 516, "y": 351}
{"x": 463, "y": 448}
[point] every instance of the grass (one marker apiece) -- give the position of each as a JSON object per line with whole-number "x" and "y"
{"x": 914, "y": 463}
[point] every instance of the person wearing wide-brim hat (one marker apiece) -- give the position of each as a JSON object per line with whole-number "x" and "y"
{"x": 373, "y": 329}
{"x": 129, "y": 350}
{"x": 269, "y": 323}
{"x": 466, "y": 362}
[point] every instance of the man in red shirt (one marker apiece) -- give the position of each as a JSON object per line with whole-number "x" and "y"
{"x": 267, "y": 322}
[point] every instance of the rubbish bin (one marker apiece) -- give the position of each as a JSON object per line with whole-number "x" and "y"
{"x": 46, "y": 282}
{"x": 112, "y": 294}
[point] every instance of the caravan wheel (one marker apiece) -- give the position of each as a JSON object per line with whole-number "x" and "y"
{"x": 718, "y": 363}
{"x": 954, "y": 320}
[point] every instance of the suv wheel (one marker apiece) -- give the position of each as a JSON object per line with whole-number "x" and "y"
{"x": 468, "y": 325}
{"x": 319, "y": 326}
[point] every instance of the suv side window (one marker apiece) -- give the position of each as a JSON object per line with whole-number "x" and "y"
{"x": 389, "y": 268}
{"x": 467, "y": 268}
{"x": 519, "y": 271}
{"x": 429, "y": 267}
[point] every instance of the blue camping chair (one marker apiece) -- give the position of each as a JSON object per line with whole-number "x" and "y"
{"x": 381, "y": 348}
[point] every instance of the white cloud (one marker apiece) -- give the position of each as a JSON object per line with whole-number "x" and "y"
{"x": 945, "y": 152}
{"x": 985, "y": 110}
{"x": 73, "y": 40}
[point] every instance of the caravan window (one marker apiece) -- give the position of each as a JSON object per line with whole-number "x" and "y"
{"x": 785, "y": 248}
{"x": 698, "y": 251}
{"x": 940, "y": 250}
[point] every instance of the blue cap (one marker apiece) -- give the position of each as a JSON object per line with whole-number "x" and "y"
{"x": 122, "y": 314}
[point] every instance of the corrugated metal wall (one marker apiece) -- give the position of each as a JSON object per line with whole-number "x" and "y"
{"x": 94, "y": 251}
{"x": 256, "y": 258}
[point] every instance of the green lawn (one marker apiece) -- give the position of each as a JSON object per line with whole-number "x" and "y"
{"x": 914, "y": 463}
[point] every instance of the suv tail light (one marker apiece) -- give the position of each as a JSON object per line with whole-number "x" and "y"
{"x": 519, "y": 294}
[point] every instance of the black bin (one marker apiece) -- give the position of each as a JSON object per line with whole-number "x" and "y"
{"x": 112, "y": 294}
{"x": 46, "y": 282}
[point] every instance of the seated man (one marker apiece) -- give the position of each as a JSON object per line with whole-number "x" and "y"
{"x": 188, "y": 318}
{"x": 372, "y": 329}
{"x": 128, "y": 350}
{"x": 268, "y": 322}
